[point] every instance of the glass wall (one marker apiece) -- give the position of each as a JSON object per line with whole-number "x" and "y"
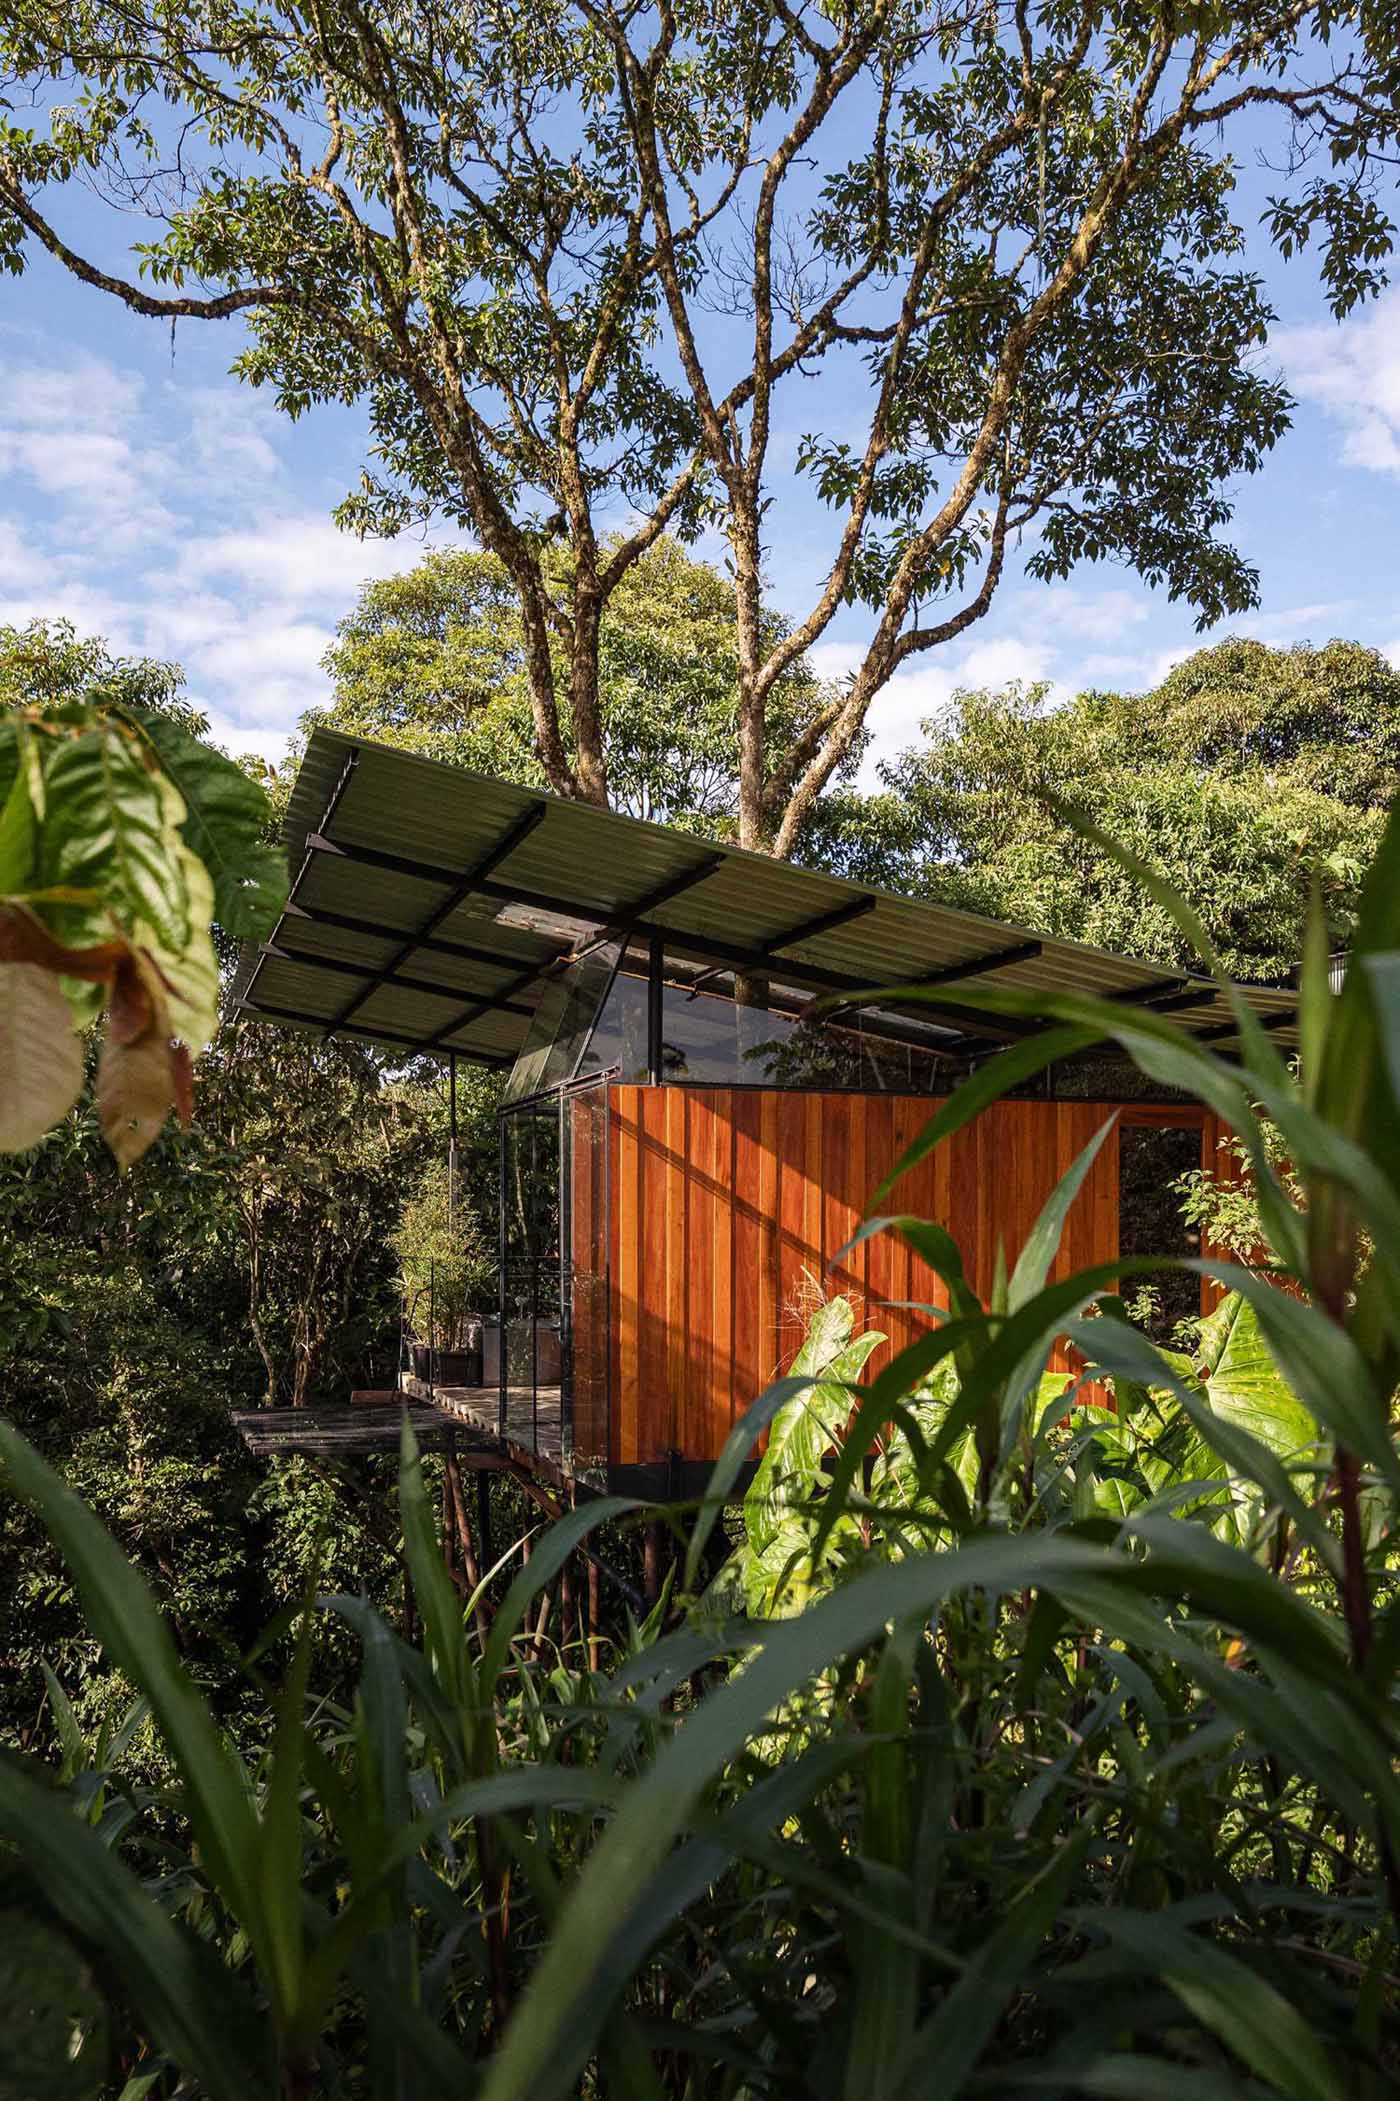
{"x": 566, "y": 1012}
{"x": 758, "y": 1039}
{"x": 532, "y": 1336}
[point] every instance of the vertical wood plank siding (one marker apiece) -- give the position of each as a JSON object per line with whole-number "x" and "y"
{"x": 727, "y": 1205}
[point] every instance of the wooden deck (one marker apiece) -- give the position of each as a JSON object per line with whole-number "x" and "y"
{"x": 467, "y": 1416}
{"x": 534, "y": 1423}
{"x": 340, "y": 1429}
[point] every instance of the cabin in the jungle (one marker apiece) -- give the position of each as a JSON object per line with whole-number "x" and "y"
{"x": 699, "y": 1092}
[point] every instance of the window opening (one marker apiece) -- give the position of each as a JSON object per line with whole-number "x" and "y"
{"x": 1151, "y": 1161}
{"x": 567, "y": 1010}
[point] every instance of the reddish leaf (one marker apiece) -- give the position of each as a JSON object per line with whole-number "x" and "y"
{"x": 24, "y": 940}
{"x": 41, "y": 1060}
{"x": 135, "y": 1093}
{"x": 131, "y": 1011}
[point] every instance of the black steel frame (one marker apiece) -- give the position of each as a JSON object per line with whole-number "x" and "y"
{"x": 560, "y": 1269}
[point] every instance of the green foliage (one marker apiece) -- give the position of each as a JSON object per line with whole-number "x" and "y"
{"x": 121, "y": 835}
{"x": 435, "y": 660}
{"x": 1246, "y": 772}
{"x": 1058, "y": 1792}
{"x": 774, "y": 1569}
{"x": 446, "y": 1262}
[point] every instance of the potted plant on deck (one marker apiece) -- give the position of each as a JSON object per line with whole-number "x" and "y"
{"x": 445, "y": 1271}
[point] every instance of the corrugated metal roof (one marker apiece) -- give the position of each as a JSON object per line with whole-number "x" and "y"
{"x": 424, "y": 903}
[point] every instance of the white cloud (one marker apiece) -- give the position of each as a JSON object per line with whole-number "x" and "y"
{"x": 241, "y": 742}
{"x": 1299, "y": 623}
{"x": 233, "y": 432}
{"x": 1100, "y": 616}
{"x": 1351, "y": 370}
{"x": 21, "y": 565}
{"x": 267, "y": 672}
{"x": 300, "y": 555}
{"x": 158, "y": 515}
{"x": 72, "y": 430}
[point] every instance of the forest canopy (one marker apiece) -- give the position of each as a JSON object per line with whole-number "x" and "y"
{"x": 1007, "y": 240}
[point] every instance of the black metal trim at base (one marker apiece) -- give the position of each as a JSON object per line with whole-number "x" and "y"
{"x": 674, "y": 1480}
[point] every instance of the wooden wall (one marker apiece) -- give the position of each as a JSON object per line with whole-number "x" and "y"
{"x": 725, "y": 1206}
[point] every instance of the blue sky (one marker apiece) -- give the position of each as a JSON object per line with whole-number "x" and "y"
{"x": 150, "y": 498}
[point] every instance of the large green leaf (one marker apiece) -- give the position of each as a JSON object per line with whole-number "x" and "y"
{"x": 807, "y": 1426}
{"x": 190, "y": 971}
{"x": 18, "y": 837}
{"x": 109, "y": 827}
{"x": 226, "y": 818}
{"x": 1245, "y": 1385}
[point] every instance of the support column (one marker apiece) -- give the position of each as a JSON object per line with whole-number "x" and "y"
{"x": 656, "y": 1057}
{"x": 453, "y": 1484}
{"x": 483, "y": 1516}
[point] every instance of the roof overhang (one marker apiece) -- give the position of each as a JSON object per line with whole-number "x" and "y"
{"x": 429, "y": 907}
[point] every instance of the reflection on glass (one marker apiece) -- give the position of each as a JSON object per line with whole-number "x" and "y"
{"x": 709, "y": 1037}
{"x": 566, "y": 1011}
{"x": 530, "y": 1189}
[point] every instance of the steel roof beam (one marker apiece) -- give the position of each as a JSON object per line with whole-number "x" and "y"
{"x": 662, "y": 893}
{"x": 463, "y": 951}
{"x": 621, "y": 916}
{"x": 466, "y": 883}
{"x": 976, "y": 966}
{"x": 1196, "y": 996}
{"x": 479, "y": 1007}
{"x": 485, "y": 885}
{"x": 805, "y": 930}
{"x": 1284, "y": 1020}
{"x": 356, "y": 1028}
{"x": 376, "y": 977}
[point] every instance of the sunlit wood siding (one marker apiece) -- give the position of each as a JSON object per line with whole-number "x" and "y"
{"x": 727, "y": 1205}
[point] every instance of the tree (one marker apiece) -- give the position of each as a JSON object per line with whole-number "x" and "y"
{"x": 1246, "y": 773}
{"x": 1002, "y": 234}
{"x": 435, "y": 660}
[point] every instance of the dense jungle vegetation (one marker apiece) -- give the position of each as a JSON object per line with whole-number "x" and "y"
{"x": 1056, "y": 1754}
{"x": 1052, "y": 1752}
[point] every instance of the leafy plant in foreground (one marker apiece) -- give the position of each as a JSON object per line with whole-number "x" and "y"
{"x": 1106, "y": 1807}
{"x": 122, "y": 837}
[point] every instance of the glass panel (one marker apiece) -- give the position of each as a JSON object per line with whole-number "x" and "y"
{"x": 620, "y": 1038}
{"x": 586, "y": 1284}
{"x": 562, "y": 1019}
{"x": 709, "y": 1037}
{"x": 530, "y": 1282}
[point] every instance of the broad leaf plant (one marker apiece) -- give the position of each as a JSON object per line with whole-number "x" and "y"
{"x": 123, "y": 838}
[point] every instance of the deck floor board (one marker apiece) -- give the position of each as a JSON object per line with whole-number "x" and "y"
{"x": 534, "y": 1425}
{"x": 469, "y": 1414}
{"x": 339, "y": 1428}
